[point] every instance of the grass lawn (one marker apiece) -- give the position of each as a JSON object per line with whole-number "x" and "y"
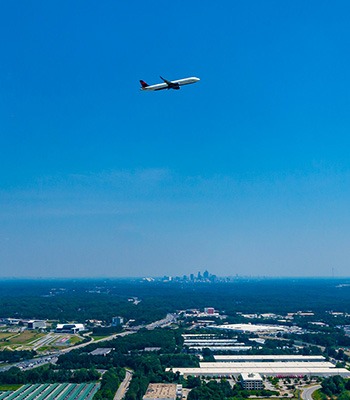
{"x": 99, "y": 337}
{"x": 5, "y": 335}
{"x": 44, "y": 348}
{"x": 318, "y": 395}
{"x": 74, "y": 340}
{"x": 12, "y": 387}
{"x": 26, "y": 337}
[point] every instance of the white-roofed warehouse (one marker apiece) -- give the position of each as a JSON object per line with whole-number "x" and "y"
{"x": 276, "y": 368}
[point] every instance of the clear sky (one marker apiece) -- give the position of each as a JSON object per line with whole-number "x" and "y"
{"x": 246, "y": 172}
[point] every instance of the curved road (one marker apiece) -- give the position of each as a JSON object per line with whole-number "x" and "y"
{"x": 124, "y": 386}
{"x": 306, "y": 394}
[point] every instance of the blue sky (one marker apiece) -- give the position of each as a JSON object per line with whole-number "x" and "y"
{"x": 246, "y": 172}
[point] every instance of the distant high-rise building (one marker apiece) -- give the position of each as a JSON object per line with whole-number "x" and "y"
{"x": 206, "y": 274}
{"x": 192, "y": 277}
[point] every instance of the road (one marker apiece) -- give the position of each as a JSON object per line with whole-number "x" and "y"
{"x": 52, "y": 358}
{"x": 306, "y": 393}
{"x": 77, "y": 346}
{"x": 123, "y": 386}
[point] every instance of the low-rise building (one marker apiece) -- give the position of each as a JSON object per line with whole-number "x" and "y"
{"x": 251, "y": 381}
{"x": 70, "y": 328}
{"x": 161, "y": 391}
{"x": 36, "y": 324}
{"x": 101, "y": 351}
{"x": 252, "y": 328}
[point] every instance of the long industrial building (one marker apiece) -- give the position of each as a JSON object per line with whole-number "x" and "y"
{"x": 221, "y": 348}
{"x": 271, "y": 358}
{"x": 252, "y": 328}
{"x": 280, "y": 367}
{"x": 214, "y": 343}
{"x": 210, "y": 342}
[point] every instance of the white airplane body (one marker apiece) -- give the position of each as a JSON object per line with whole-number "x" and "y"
{"x": 168, "y": 84}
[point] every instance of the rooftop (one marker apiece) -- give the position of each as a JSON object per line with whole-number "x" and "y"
{"x": 101, "y": 351}
{"x": 160, "y": 390}
{"x": 251, "y": 376}
{"x": 252, "y": 328}
{"x": 291, "y": 357}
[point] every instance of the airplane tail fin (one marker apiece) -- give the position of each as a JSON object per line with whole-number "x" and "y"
{"x": 143, "y": 84}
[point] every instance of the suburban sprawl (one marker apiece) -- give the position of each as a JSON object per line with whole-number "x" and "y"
{"x": 192, "y": 338}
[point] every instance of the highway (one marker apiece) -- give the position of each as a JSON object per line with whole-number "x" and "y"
{"x": 306, "y": 393}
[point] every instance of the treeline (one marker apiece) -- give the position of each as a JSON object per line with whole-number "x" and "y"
{"x": 13, "y": 356}
{"x": 337, "y": 338}
{"x": 110, "y": 383}
{"x": 335, "y": 387}
{"x": 179, "y": 360}
{"x": 47, "y": 374}
{"x": 222, "y": 390}
{"x": 138, "y": 386}
{"x": 106, "y": 330}
{"x": 148, "y": 368}
{"x": 73, "y": 306}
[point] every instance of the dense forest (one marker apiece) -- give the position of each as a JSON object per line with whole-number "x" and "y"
{"x": 335, "y": 387}
{"x": 109, "y": 385}
{"x": 67, "y": 300}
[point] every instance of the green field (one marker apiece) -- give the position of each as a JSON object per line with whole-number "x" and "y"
{"x": 25, "y": 337}
{"x": 28, "y": 339}
{"x": 74, "y": 340}
{"x": 5, "y": 335}
{"x": 5, "y": 388}
{"x": 318, "y": 395}
{"x": 96, "y": 338}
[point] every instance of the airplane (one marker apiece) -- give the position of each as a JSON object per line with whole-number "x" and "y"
{"x": 168, "y": 84}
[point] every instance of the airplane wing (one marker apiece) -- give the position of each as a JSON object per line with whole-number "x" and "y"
{"x": 171, "y": 84}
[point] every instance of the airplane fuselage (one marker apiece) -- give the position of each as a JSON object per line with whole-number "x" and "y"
{"x": 169, "y": 84}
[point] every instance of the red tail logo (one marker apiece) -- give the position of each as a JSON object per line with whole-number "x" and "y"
{"x": 144, "y": 84}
